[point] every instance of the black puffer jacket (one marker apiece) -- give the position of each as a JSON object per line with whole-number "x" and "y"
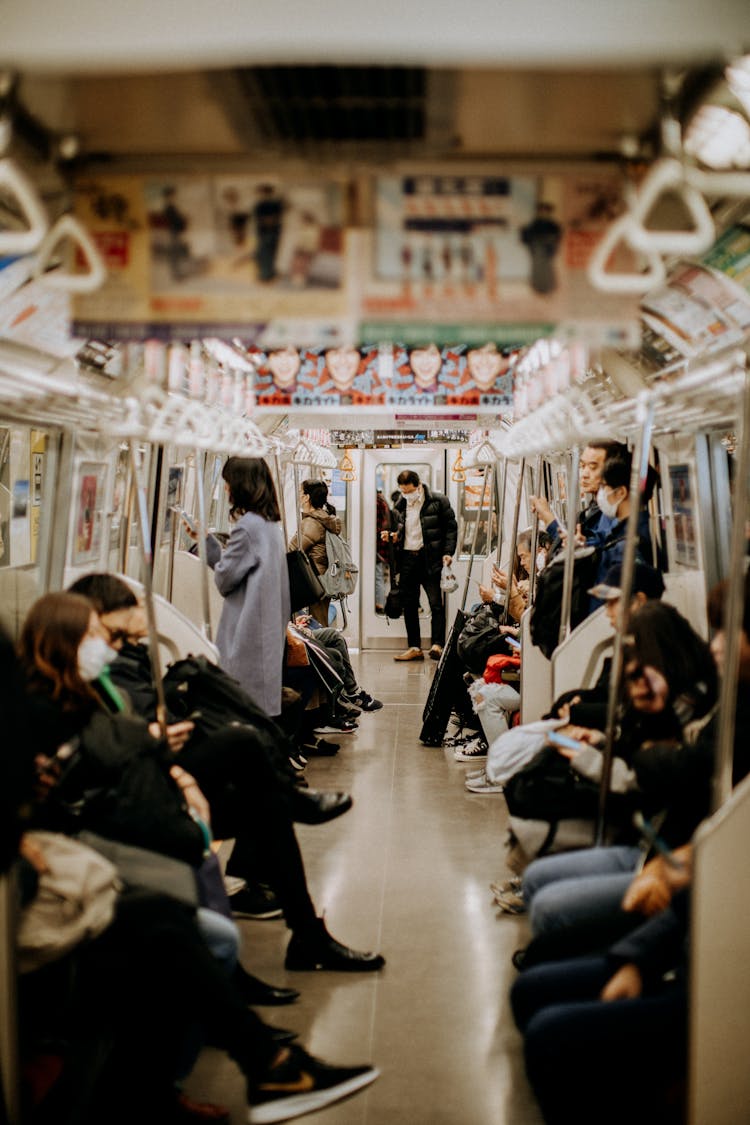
{"x": 439, "y": 530}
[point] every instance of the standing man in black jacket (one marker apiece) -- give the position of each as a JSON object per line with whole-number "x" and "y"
{"x": 427, "y": 541}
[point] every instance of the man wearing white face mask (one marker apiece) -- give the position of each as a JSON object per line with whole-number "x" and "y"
{"x": 427, "y": 542}
{"x": 613, "y": 500}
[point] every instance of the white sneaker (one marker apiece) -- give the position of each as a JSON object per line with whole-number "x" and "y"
{"x": 473, "y": 751}
{"x": 472, "y": 775}
{"x": 482, "y": 785}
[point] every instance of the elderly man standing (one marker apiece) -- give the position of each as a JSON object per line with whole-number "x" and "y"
{"x": 427, "y": 540}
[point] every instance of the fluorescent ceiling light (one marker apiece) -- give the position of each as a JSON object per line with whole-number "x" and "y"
{"x": 719, "y": 137}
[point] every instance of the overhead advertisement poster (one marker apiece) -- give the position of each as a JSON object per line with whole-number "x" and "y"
{"x": 232, "y": 255}
{"x": 505, "y": 255}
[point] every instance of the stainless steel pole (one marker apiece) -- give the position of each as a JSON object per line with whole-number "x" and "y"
{"x": 638, "y": 471}
{"x": 536, "y": 480}
{"x": 570, "y": 546}
{"x": 733, "y": 611}
{"x": 513, "y": 540}
{"x": 502, "y": 482}
{"x": 475, "y": 536}
{"x": 147, "y": 563}
{"x": 200, "y": 486}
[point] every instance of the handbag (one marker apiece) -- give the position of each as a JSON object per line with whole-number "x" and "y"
{"x": 305, "y": 588}
{"x": 296, "y": 652}
{"x": 75, "y": 901}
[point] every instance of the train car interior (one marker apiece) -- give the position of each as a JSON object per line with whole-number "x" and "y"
{"x": 457, "y": 304}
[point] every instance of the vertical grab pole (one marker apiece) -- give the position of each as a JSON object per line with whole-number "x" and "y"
{"x": 281, "y": 498}
{"x": 732, "y": 622}
{"x": 127, "y": 523}
{"x": 174, "y": 527}
{"x": 502, "y": 482}
{"x": 513, "y": 540}
{"x": 536, "y": 480}
{"x": 10, "y": 1083}
{"x": 638, "y": 471}
{"x": 147, "y": 562}
{"x": 475, "y": 536}
{"x": 200, "y": 487}
{"x": 570, "y": 546}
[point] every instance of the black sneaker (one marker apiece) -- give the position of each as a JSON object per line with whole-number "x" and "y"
{"x": 365, "y": 701}
{"x": 301, "y": 1084}
{"x": 297, "y": 762}
{"x": 346, "y": 710}
{"x": 320, "y": 749}
{"x": 258, "y": 902}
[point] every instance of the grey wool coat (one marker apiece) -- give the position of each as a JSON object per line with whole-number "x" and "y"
{"x": 251, "y": 575}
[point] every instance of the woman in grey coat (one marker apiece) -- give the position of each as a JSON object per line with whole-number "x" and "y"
{"x": 251, "y": 575}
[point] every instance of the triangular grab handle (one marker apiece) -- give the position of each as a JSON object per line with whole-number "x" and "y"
{"x": 609, "y": 282}
{"x": 668, "y": 176}
{"x": 67, "y": 226}
{"x": 16, "y": 184}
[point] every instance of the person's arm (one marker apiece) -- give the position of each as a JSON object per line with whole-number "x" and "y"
{"x": 238, "y": 559}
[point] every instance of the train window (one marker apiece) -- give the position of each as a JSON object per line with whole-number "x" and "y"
{"x": 477, "y": 500}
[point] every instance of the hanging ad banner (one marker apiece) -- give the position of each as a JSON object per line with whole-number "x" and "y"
{"x": 191, "y": 255}
{"x": 484, "y": 248}
{"x": 423, "y": 377}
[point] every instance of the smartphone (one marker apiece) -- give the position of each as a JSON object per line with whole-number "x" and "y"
{"x": 513, "y": 642}
{"x": 562, "y": 740}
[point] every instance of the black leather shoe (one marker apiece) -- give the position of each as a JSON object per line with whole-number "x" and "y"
{"x": 258, "y": 993}
{"x": 321, "y": 951}
{"x": 281, "y": 1036}
{"x": 313, "y": 807}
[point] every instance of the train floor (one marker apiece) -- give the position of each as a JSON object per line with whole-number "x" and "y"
{"x": 406, "y": 871}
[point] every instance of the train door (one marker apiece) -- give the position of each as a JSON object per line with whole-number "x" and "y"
{"x": 380, "y": 468}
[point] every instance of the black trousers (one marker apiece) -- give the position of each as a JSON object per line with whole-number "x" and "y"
{"x": 250, "y": 802}
{"x": 139, "y": 987}
{"x": 415, "y": 574}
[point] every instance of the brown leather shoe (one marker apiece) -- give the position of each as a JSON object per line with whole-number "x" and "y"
{"x": 410, "y": 654}
{"x": 436, "y": 652}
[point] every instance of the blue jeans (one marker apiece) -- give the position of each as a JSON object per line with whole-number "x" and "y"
{"x": 574, "y": 898}
{"x": 593, "y": 1062}
{"x": 380, "y": 583}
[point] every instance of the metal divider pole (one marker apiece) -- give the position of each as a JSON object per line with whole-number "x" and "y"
{"x": 502, "y": 483}
{"x": 570, "y": 546}
{"x": 638, "y": 471}
{"x": 147, "y": 562}
{"x": 536, "y": 480}
{"x": 475, "y": 536}
{"x": 513, "y": 540}
{"x": 200, "y": 486}
{"x": 733, "y": 613}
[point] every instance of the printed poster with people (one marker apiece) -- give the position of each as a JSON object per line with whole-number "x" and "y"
{"x": 451, "y": 376}
{"x": 188, "y": 254}
{"x": 487, "y": 247}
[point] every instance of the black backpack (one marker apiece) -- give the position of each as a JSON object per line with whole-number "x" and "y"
{"x": 480, "y": 638}
{"x": 545, "y": 615}
{"x": 196, "y": 689}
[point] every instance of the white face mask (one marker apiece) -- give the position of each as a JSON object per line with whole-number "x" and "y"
{"x": 541, "y": 560}
{"x": 412, "y": 497}
{"x": 606, "y": 506}
{"x": 94, "y": 654}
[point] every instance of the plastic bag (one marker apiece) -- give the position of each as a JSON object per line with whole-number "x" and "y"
{"x": 448, "y": 580}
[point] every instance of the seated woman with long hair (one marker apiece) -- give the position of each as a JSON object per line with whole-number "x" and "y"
{"x": 66, "y": 657}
